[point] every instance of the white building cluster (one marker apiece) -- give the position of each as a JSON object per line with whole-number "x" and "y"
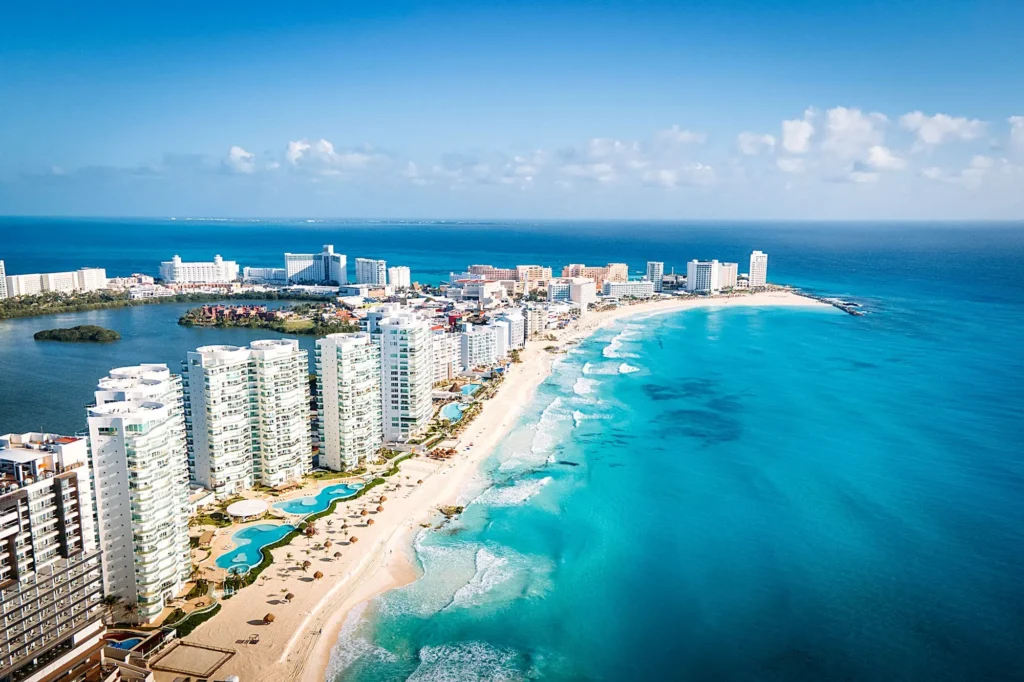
{"x": 81, "y": 280}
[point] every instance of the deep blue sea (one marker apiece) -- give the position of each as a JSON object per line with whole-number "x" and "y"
{"x": 709, "y": 495}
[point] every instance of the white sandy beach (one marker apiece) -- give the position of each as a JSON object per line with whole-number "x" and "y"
{"x": 298, "y": 644}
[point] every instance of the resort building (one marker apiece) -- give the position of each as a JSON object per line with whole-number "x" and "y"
{"x": 583, "y": 292}
{"x": 533, "y": 276}
{"x": 370, "y": 271}
{"x": 491, "y": 272}
{"x": 558, "y": 290}
{"x": 399, "y": 277}
{"x": 501, "y": 336}
{"x": 487, "y": 293}
{"x": 447, "y": 354}
{"x": 51, "y": 580}
{"x": 516, "y": 327}
{"x": 84, "y": 279}
{"x": 247, "y": 412}
{"x": 3, "y": 281}
{"x": 536, "y": 322}
{"x": 217, "y": 271}
{"x": 326, "y": 267}
{"x": 407, "y": 374}
{"x": 349, "y": 398}
{"x": 656, "y": 274}
{"x": 133, "y": 280}
{"x": 727, "y": 275}
{"x": 703, "y": 277}
{"x": 479, "y": 346}
{"x": 615, "y": 272}
{"x": 637, "y": 288}
{"x": 274, "y": 276}
{"x": 139, "y": 457}
{"x": 758, "y": 269}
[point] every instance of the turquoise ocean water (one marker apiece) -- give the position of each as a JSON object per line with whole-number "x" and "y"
{"x": 711, "y": 495}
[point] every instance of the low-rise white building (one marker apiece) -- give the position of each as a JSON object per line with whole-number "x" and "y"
{"x": 217, "y": 271}
{"x": 273, "y": 276}
{"x": 150, "y": 291}
{"x": 637, "y": 288}
{"x": 349, "y": 401}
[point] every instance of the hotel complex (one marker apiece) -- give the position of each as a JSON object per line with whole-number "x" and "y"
{"x": 325, "y": 267}
{"x": 217, "y": 271}
{"x": 371, "y": 271}
{"x": 246, "y": 409}
{"x": 407, "y": 375}
{"x": 349, "y": 401}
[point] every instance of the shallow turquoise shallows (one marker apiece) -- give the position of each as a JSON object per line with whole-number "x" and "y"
{"x": 312, "y": 504}
{"x": 470, "y": 389}
{"x": 248, "y": 543}
{"x": 452, "y": 412}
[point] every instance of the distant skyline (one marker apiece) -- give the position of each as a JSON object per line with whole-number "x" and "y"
{"x": 565, "y": 110}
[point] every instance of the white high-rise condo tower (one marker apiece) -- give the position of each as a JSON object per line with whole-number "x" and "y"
{"x": 399, "y": 277}
{"x": 758, "y": 269}
{"x": 656, "y": 273}
{"x": 3, "y": 281}
{"x": 51, "y": 581}
{"x": 407, "y": 374}
{"x": 370, "y": 271}
{"x": 703, "y": 276}
{"x": 140, "y": 462}
{"x": 248, "y": 413}
{"x": 349, "y": 400}
{"x": 316, "y": 268}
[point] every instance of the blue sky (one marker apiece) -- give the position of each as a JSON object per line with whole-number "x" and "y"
{"x": 796, "y": 109}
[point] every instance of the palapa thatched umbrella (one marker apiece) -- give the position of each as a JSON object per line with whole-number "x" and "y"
{"x": 419, "y": 482}
{"x": 288, "y": 597}
{"x": 344, "y": 526}
{"x": 353, "y": 540}
{"x": 307, "y": 563}
{"x": 328, "y": 544}
{"x": 318, "y": 575}
{"x": 380, "y": 507}
{"x": 369, "y": 522}
{"x": 337, "y": 555}
{"x": 363, "y": 513}
{"x": 268, "y": 619}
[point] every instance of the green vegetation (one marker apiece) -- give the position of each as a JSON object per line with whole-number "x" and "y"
{"x": 218, "y": 519}
{"x": 52, "y": 303}
{"x": 83, "y": 332}
{"x": 294, "y": 325}
{"x": 185, "y": 627}
{"x": 200, "y": 589}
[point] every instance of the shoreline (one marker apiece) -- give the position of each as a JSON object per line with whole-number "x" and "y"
{"x": 314, "y": 621}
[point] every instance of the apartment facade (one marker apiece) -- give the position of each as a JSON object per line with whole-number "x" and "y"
{"x": 247, "y": 411}
{"x": 703, "y": 277}
{"x": 758, "y": 275}
{"x": 406, "y": 375}
{"x": 349, "y": 400}
{"x": 217, "y": 271}
{"x": 516, "y": 328}
{"x": 447, "y": 354}
{"x": 139, "y": 457}
{"x": 479, "y": 346}
{"x": 727, "y": 275}
{"x": 583, "y": 292}
{"x": 399, "y": 277}
{"x": 50, "y": 574}
{"x": 656, "y": 274}
{"x": 615, "y": 272}
{"x": 371, "y": 271}
{"x": 3, "y": 281}
{"x": 84, "y": 279}
{"x": 637, "y": 288}
{"x": 276, "y": 276}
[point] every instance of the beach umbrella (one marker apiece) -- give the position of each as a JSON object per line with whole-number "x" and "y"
{"x": 327, "y": 545}
{"x": 307, "y": 564}
{"x": 353, "y": 539}
{"x": 419, "y": 482}
{"x": 380, "y": 507}
{"x": 344, "y": 526}
{"x": 337, "y": 555}
{"x": 363, "y": 513}
{"x": 268, "y": 619}
{"x": 369, "y": 522}
{"x": 383, "y": 498}
{"x": 318, "y": 575}
{"x": 288, "y": 597}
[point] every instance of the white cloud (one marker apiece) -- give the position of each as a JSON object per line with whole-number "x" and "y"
{"x": 978, "y": 170}
{"x": 940, "y": 128}
{"x": 599, "y": 172}
{"x": 850, "y": 133}
{"x": 790, "y": 165}
{"x": 1016, "y": 131}
{"x": 675, "y": 135}
{"x": 796, "y": 133}
{"x": 693, "y": 174}
{"x": 240, "y": 161}
{"x": 881, "y": 158}
{"x": 295, "y": 151}
{"x": 752, "y": 144}
{"x": 863, "y": 177}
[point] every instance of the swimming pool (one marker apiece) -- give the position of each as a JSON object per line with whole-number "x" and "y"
{"x": 311, "y": 504}
{"x": 248, "y": 543}
{"x": 452, "y": 412}
{"x": 126, "y": 643}
{"x": 470, "y": 389}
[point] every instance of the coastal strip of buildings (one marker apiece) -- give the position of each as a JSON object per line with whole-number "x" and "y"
{"x": 90, "y": 520}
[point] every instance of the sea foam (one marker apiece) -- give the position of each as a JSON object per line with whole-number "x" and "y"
{"x": 466, "y": 662}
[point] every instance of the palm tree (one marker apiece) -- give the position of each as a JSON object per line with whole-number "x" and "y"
{"x": 110, "y": 602}
{"x": 131, "y": 609}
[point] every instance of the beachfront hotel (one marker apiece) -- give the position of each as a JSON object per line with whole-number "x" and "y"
{"x": 703, "y": 276}
{"x": 348, "y": 400}
{"x": 246, "y": 409}
{"x": 727, "y": 275}
{"x": 371, "y": 271}
{"x": 399, "y": 277}
{"x": 139, "y": 460}
{"x": 656, "y": 274}
{"x": 758, "y": 276}
{"x": 407, "y": 374}
{"x": 50, "y": 575}
{"x": 479, "y": 346}
{"x": 516, "y": 327}
{"x": 447, "y": 354}
{"x": 326, "y": 267}
{"x": 636, "y": 288}
{"x": 615, "y": 272}
{"x": 217, "y": 271}
{"x": 83, "y": 279}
